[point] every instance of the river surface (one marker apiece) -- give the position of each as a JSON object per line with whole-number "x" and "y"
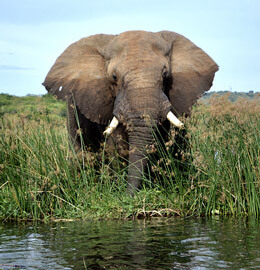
{"x": 173, "y": 243}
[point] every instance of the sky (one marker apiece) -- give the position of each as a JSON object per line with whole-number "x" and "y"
{"x": 33, "y": 33}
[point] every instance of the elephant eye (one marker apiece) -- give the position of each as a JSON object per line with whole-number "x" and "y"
{"x": 114, "y": 77}
{"x": 166, "y": 74}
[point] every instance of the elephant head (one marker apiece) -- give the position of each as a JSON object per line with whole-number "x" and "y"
{"x": 136, "y": 79}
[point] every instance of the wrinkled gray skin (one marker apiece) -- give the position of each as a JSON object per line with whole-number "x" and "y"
{"x": 136, "y": 76}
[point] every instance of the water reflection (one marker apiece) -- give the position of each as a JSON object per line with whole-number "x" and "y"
{"x": 144, "y": 244}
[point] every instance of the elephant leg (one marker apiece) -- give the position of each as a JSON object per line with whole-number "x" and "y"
{"x": 82, "y": 132}
{"x": 118, "y": 142}
{"x": 117, "y": 147}
{"x": 181, "y": 147}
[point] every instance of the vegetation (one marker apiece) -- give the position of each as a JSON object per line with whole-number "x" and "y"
{"x": 232, "y": 96}
{"x": 40, "y": 178}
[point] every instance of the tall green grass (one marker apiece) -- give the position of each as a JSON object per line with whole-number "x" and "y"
{"x": 41, "y": 178}
{"x": 220, "y": 174}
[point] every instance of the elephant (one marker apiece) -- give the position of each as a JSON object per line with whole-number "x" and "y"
{"x": 125, "y": 86}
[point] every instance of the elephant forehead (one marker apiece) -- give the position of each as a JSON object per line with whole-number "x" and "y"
{"x": 137, "y": 41}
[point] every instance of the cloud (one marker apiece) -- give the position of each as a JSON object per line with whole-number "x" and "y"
{"x": 9, "y": 67}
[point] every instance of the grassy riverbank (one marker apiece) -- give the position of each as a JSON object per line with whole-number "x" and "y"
{"x": 41, "y": 179}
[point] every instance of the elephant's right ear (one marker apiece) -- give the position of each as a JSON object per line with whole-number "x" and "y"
{"x": 80, "y": 73}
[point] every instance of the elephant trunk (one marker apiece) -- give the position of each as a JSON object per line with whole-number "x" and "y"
{"x": 140, "y": 110}
{"x": 139, "y": 138}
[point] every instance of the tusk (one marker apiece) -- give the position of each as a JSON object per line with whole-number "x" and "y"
{"x": 112, "y": 126}
{"x": 174, "y": 120}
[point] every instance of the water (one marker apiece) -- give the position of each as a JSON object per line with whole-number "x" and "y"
{"x": 144, "y": 244}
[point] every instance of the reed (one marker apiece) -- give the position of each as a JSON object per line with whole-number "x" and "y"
{"x": 218, "y": 174}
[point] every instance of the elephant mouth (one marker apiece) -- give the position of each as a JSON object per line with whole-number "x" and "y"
{"x": 170, "y": 116}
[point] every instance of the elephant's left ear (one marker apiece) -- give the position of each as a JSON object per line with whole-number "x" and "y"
{"x": 192, "y": 72}
{"x": 80, "y": 73}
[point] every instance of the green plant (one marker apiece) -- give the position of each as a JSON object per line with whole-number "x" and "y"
{"x": 41, "y": 177}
